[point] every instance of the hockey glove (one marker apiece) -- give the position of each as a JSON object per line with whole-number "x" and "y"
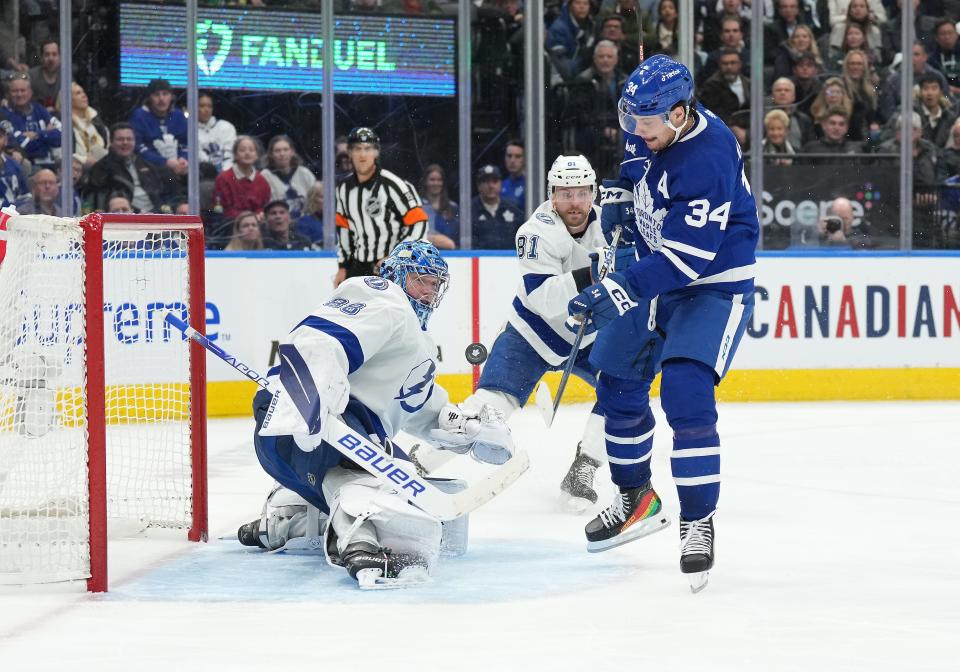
{"x": 602, "y": 302}
{"x": 308, "y": 396}
{"x": 455, "y": 431}
{"x": 622, "y": 259}
{"x": 485, "y": 434}
{"x": 616, "y": 207}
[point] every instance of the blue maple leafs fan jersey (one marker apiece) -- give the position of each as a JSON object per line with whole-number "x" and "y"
{"x": 694, "y": 210}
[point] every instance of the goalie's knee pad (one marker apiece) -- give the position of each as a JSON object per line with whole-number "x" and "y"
{"x": 287, "y": 517}
{"x": 364, "y": 512}
{"x": 453, "y": 533}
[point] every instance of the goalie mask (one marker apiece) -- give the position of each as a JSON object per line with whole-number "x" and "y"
{"x": 421, "y": 272}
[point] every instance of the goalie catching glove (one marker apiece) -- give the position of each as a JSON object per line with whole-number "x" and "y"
{"x": 484, "y": 434}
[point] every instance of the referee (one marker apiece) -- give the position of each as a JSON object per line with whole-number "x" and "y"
{"x": 375, "y": 210}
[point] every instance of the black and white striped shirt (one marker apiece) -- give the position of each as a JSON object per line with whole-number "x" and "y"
{"x": 373, "y": 216}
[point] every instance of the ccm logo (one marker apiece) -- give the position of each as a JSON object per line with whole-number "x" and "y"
{"x": 382, "y": 464}
{"x": 624, "y": 303}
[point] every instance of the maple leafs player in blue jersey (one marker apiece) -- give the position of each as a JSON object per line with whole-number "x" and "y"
{"x": 684, "y": 196}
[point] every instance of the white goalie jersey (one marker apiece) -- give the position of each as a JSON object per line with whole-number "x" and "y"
{"x": 549, "y": 255}
{"x": 368, "y": 333}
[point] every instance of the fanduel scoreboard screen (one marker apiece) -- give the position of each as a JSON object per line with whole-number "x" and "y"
{"x": 282, "y": 51}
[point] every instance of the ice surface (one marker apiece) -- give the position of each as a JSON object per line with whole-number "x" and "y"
{"x": 837, "y": 549}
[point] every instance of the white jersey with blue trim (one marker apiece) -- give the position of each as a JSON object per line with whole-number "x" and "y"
{"x": 549, "y": 257}
{"x": 368, "y": 331}
{"x": 694, "y": 210}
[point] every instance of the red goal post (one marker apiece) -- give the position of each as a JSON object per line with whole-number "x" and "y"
{"x": 102, "y": 406}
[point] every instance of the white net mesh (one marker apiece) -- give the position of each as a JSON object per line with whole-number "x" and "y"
{"x": 43, "y": 421}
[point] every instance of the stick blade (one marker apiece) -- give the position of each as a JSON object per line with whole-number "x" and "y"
{"x": 544, "y": 402}
{"x": 484, "y": 489}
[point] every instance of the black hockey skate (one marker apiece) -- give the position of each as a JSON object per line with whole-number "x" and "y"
{"x": 696, "y": 551}
{"x": 635, "y": 513}
{"x": 380, "y": 568}
{"x": 249, "y": 534}
{"x": 576, "y": 488}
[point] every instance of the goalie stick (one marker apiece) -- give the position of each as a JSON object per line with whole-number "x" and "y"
{"x": 548, "y": 407}
{"x": 393, "y": 472}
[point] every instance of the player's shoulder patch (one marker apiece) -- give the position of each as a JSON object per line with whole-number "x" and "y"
{"x": 363, "y": 288}
{"x": 544, "y": 217}
{"x": 376, "y": 282}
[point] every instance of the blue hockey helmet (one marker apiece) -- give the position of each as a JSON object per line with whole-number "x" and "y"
{"x": 421, "y": 272}
{"x": 655, "y": 87}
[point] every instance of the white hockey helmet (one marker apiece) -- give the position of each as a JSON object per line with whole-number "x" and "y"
{"x": 571, "y": 171}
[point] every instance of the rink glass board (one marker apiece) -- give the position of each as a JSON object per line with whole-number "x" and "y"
{"x": 258, "y": 50}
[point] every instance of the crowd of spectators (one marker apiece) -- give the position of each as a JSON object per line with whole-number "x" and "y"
{"x": 831, "y": 73}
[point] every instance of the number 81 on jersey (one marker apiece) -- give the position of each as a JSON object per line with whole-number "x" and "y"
{"x": 527, "y": 247}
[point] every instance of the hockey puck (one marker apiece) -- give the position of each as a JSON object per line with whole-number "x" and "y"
{"x": 476, "y": 353}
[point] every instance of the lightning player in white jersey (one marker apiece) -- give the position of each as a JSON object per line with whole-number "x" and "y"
{"x": 365, "y": 356}
{"x": 688, "y": 204}
{"x": 554, "y": 248}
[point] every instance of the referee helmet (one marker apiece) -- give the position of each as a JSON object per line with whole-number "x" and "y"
{"x": 363, "y": 134}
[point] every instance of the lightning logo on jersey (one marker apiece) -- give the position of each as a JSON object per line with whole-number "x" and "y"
{"x": 417, "y": 388}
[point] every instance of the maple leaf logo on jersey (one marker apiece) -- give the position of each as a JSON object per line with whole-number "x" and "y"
{"x": 418, "y": 386}
{"x": 649, "y": 219}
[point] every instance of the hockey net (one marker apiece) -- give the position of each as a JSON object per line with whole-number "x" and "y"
{"x": 102, "y": 406}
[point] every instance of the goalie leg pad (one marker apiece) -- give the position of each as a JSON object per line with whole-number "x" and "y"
{"x": 453, "y": 533}
{"x": 363, "y": 512}
{"x": 290, "y": 522}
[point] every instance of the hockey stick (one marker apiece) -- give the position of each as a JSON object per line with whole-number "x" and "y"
{"x": 548, "y": 407}
{"x": 393, "y": 472}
